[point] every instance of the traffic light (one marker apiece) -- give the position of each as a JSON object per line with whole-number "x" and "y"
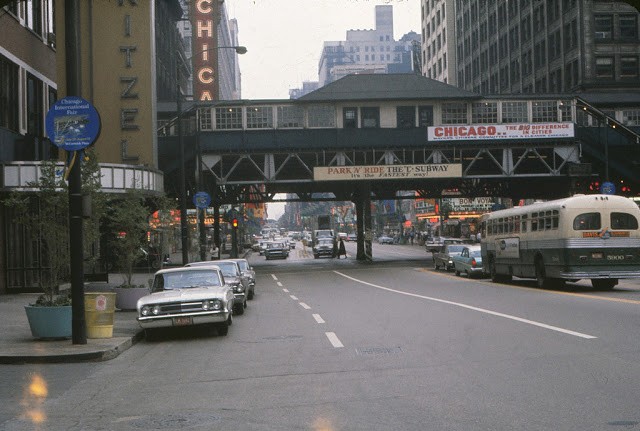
{"x": 234, "y": 223}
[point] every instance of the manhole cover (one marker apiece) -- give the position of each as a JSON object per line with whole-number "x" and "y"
{"x": 379, "y": 351}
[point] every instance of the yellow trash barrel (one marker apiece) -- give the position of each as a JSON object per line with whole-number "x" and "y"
{"x": 99, "y": 309}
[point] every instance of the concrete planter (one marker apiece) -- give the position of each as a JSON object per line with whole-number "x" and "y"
{"x": 127, "y": 297}
{"x": 49, "y": 322}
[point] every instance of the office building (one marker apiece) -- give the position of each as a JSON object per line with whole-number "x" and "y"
{"x": 368, "y": 51}
{"x": 531, "y": 46}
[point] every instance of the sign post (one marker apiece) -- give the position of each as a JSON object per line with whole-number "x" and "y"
{"x": 73, "y": 124}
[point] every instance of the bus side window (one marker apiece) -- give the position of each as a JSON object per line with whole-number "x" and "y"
{"x": 534, "y": 225}
{"x": 587, "y": 221}
{"x": 623, "y": 221}
{"x": 524, "y": 223}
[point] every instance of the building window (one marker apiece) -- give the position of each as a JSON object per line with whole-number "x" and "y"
{"x": 9, "y": 95}
{"x": 350, "y": 118}
{"x": 425, "y": 116}
{"x": 35, "y": 106}
{"x": 260, "y": 117}
{"x": 629, "y": 67}
{"x": 515, "y": 112}
{"x": 204, "y": 117}
{"x": 628, "y": 27}
{"x": 406, "y": 117}
{"x": 631, "y": 117}
{"x": 604, "y": 67}
{"x": 603, "y": 27}
{"x": 484, "y": 113}
{"x": 454, "y": 113}
{"x": 322, "y": 116}
{"x": 543, "y": 112}
{"x": 565, "y": 110}
{"x": 370, "y": 117}
{"x": 229, "y": 118}
{"x": 33, "y": 15}
{"x": 290, "y": 117}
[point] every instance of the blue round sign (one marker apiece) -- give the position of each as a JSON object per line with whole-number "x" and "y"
{"x": 201, "y": 200}
{"x": 72, "y": 123}
{"x": 607, "y": 188}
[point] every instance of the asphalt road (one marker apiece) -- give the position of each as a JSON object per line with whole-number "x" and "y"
{"x": 340, "y": 345}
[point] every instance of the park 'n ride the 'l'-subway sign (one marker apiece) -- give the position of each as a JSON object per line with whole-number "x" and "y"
{"x": 477, "y": 132}
{"x": 72, "y": 123}
{"x": 386, "y": 172}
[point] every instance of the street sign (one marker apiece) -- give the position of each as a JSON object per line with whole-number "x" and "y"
{"x": 72, "y": 123}
{"x": 201, "y": 200}
{"x": 608, "y": 188}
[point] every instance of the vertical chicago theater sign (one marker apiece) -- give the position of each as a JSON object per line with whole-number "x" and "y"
{"x": 205, "y": 53}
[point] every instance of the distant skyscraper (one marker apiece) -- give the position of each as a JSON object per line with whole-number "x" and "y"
{"x": 367, "y": 51}
{"x": 505, "y": 47}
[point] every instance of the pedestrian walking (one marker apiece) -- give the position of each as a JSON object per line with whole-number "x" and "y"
{"x": 341, "y": 249}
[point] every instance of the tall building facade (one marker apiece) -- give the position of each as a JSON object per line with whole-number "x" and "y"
{"x": 28, "y": 79}
{"x": 531, "y": 46}
{"x": 228, "y": 67}
{"x": 367, "y": 51}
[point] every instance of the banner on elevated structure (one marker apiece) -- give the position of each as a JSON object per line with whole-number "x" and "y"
{"x": 483, "y": 132}
{"x": 386, "y": 172}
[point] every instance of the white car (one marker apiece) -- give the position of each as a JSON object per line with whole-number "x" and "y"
{"x": 186, "y": 297}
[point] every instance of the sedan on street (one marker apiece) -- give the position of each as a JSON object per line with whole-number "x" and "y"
{"x": 384, "y": 239}
{"x": 469, "y": 261}
{"x": 185, "y": 297}
{"x": 234, "y": 277}
{"x": 276, "y": 250}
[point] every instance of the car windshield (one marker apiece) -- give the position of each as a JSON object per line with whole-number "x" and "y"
{"x": 229, "y": 269}
{"x": 455, "y": 248}
{"x": 474, "y": 253}
{"x": 186, "y": 280}
{"x": 275, "y": 245}
{"x": 243, "y": 265}
{"x": 325, "y": 242}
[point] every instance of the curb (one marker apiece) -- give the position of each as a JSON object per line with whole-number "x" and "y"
{"x": 88, "y": 356}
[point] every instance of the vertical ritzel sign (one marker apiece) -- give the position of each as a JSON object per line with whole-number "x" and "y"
{"x": 205, "y": 52}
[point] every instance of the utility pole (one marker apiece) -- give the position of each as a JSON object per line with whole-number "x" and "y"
{"x": 76, "y": 234}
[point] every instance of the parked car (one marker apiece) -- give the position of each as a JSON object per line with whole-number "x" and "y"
{"x": 469, "y": 261}
{"x": 435, "y": 244}
{"x": 249, "y": 272}
{"x": 276, "y": 250}
{"x": 384, "y": 239}
{"x": 443, "y": 258}
{"x": 352, "y": 237}
{"x": 185, "y": 297}
{"x": 234, "y": 277}
{"x": 324, "y": 247}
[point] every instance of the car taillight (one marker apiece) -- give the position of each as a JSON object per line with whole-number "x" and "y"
{"x": 473, "y": 263}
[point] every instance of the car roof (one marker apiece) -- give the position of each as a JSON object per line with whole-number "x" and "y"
{"x": 187, "y": 268}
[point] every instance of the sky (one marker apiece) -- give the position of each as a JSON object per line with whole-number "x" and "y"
{"x": 284, "y": 40}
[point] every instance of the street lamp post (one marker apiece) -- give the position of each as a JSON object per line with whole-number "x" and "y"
{"x": 184, "y": 235}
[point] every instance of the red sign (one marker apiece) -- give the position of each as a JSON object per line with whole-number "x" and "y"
{"x": 476, "y": 132}
{"x": 205, "y": 49}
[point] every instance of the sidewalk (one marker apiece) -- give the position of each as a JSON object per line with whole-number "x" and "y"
{"x": 17, "y": 344}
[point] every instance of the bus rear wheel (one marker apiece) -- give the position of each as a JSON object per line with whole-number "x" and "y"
{"x": 604, "y": 283}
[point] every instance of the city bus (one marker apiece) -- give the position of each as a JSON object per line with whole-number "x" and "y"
{"x": 592, "y": 237}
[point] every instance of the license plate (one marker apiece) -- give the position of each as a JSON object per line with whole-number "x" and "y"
{"x": 182, "y": 321}
{"x": 597, "y": 255}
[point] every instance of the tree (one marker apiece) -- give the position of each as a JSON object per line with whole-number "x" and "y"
{"x": 43, "y": 215}
{"x": 129, "y": 219}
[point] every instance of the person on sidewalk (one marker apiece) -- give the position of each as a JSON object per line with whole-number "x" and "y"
{"x": 341, "y": 249}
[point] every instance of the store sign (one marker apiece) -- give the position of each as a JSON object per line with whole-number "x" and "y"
{"x": 476, "y": 132}
{"x": 386, "y": 172}
{"x": 205, "y": 52}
